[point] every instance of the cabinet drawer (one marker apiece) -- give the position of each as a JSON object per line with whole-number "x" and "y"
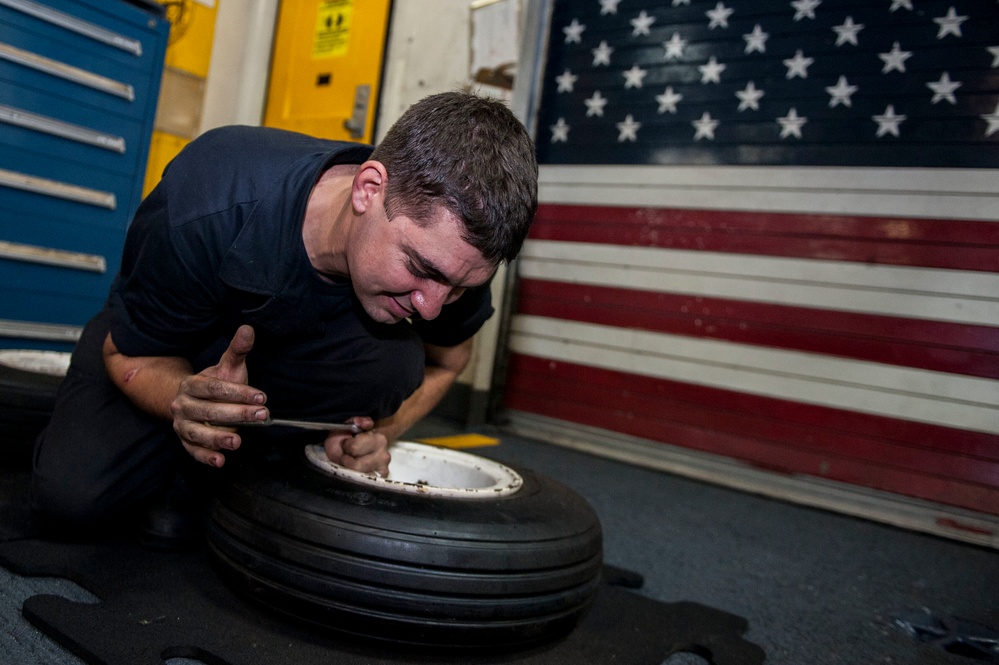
{"x": 98, "y": 237}
{"x": 61, "y": 187}
{"x": 40, "y": 64}
{"x": 48, "y": 302}
{"x": 62, "y": 132}
{"x": 111, "y": 31}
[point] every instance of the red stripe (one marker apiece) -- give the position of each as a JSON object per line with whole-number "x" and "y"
{"x": 931, "y": 243}
{"x": 769, "y": 410}
{"x": 951, "y": 523}
{"x": 951, "y": 466}
{"x": 933, "y": 345}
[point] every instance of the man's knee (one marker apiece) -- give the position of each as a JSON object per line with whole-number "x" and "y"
{"x": 63, "y": 489}
{"x": 86, "y": 471}
{"x": 67, "y": 501}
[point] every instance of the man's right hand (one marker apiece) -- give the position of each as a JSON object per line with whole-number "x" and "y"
{"x": 217, "y": 394}
{"x": 165, "y": 387}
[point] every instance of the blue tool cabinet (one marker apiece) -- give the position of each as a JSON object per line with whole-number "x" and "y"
{"x": 79, "y": 81}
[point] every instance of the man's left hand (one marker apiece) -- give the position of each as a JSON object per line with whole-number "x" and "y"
{"x": 366, "y": 452}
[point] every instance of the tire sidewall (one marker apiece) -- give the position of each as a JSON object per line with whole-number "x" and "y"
{"x": 543, "y": 524}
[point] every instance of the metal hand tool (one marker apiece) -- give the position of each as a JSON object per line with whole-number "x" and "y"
{"x": 300, "y": 424}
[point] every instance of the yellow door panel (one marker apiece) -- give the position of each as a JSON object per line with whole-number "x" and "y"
{"x": 326, "y": 69}
{"x": 182, "y": 90}
{"x": 162, "y": 148}
{"x": 192, "y": 31}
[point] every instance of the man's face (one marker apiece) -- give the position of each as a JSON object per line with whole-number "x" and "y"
{"x": 399, "y": 267}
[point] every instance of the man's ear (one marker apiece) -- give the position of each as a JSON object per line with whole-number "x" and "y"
{"x": 369, "y": 184}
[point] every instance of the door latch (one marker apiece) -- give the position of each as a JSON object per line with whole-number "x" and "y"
{"x": 355, "y": 123}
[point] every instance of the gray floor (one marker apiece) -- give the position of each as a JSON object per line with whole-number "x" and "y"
{"x": 815, "y": 587}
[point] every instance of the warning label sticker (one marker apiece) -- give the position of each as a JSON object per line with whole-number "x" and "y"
{"x": 332, "y": 28}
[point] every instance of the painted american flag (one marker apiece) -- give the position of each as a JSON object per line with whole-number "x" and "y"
{"x": 769, "y": 234}
{"x": 772, "y": 82}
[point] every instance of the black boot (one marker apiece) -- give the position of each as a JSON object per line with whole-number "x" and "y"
{"x": 174, "y": 521}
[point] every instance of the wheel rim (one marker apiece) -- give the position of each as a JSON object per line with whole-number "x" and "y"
{"x": 431, "y": 471}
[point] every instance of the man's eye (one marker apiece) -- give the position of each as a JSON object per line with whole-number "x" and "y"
{"x": 416, "y": 272}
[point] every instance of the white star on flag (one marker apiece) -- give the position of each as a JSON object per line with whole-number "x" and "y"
{"x": 628, "y": 130}
{"x": 674, "y": 47}
{"x": 888, "y": 121}
{"x": 668, "y": 100}
{"x": 573, "y": 32}
{"x": 560, "y": 131}
{"x": 944, "y": 89}
{"x": 805, "y": 8}
{"x": 950, "y": 24}
{"x": 993, "y": 120}
{"x": 791, "y": 124}
{"x": 595, "y": 104}
{"x": 641, "y": 24}
{"x": 566, "y": 81}
{"x": 602, "y": 54}
{"x": 749, "y": 98}
{"x": 894, "y": 59}
{"x": 840, "y": 93}
{"x": 633, "y": 77}
{"x": 756, "y": 40}
{"x": 798, "y": 65}
{"x": 705, "y": 127}
{"x": 609, "y": 6}
{"x": 719, "y": 16}
{"x": 938, "y": 62}
{"x": 711, "y": 72}
{"x": 847, "y": 31}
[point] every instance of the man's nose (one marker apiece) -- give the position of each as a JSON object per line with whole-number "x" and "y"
{"x": 429, "y": 299}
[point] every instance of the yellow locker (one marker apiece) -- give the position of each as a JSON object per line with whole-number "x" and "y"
{"x": 182, "y": 91}
{"x": 326, "y": 69}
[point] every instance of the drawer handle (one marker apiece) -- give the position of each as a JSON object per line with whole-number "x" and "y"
{"x": 61, "y": 190}
{"x": 76, "y": 25}
{"x": 47, "y": 125}
{"x": 52, "y": 257}
{"x": 55, "y": 332}
{"x": 68, "y": 72}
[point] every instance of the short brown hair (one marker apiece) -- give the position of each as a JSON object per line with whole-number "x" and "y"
{"x": 471, "y": 155}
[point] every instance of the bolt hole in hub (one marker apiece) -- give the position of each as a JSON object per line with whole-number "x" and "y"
{"x": 428, "y": 470}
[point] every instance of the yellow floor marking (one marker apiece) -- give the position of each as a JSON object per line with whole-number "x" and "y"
{"x": 461, "y": 441}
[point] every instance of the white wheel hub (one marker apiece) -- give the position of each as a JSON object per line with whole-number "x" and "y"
{"x": 421, "y": 469}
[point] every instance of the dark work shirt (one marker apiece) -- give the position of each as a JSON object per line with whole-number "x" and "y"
{"x": 218, "y": 243}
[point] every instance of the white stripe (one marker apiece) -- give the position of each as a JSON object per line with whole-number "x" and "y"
{"x": 846, "y": 273}
{"x": 931, "y": 193}
{"x": 921, "y": 293}
{"x": 879, "y": 505}
{"x": 910, "y": 394}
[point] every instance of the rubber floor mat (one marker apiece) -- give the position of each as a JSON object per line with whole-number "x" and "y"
{"x": 161, "y": 605}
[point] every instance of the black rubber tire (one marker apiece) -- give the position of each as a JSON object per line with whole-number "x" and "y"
{"x": 412, "y": 569}
{"x": 26, "y": 402}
